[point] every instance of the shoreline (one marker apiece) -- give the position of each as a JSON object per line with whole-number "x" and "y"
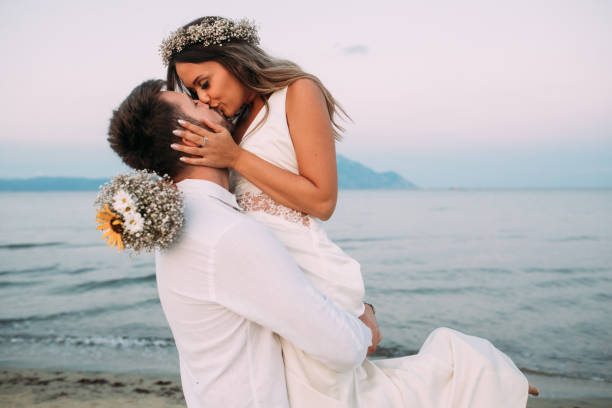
{"x": 559, "y": 387}
{"x": 24, "y": 387}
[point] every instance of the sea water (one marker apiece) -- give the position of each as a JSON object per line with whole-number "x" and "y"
{"x": 529, "y": 270}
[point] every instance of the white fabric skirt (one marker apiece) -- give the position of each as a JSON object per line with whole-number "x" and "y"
{"x": 451, "y": 370}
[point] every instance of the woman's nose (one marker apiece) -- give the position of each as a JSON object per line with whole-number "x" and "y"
{"x": 203, "y": 97}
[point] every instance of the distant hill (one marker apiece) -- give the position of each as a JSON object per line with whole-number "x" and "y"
{"x": 351, "y": 175}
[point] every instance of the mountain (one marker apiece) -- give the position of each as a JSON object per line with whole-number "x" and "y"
{"x": 351, "y": 175}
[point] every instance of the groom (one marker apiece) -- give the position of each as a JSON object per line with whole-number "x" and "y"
{"x": 228, "y": 288}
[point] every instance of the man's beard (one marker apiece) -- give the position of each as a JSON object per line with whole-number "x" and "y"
{"x": 237, "y": 117}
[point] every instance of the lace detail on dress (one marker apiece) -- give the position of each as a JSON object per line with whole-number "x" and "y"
{"x": 262, "y": 202}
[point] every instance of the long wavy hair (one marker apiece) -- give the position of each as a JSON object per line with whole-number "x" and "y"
{"x": 254, "y": 68}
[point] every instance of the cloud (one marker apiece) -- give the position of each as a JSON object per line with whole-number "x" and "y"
{"x": 355, "y": 49}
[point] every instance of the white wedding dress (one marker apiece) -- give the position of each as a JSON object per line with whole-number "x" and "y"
{"x": 451, "y": 369}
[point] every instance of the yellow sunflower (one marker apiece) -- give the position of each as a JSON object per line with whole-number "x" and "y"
{"x": 110, "y": 221}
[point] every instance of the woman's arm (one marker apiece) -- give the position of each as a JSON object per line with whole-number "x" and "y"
{"x": 314, "y": 190}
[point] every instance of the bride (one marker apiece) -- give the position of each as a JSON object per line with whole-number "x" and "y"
{"x": 283, "y": 163}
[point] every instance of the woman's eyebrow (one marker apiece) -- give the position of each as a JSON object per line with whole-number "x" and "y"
{"x": 198, "y": 79}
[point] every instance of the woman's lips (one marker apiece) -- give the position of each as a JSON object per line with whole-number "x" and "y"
{"x": 220, "y": 111}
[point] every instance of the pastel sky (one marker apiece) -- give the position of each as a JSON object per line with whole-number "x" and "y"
{"x": 447, "y": 93}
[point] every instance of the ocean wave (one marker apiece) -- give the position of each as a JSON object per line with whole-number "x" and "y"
{"x": 369, "y": 239}
{"x": 18, "y": 284}
{"x": 77, "y": 271}
{"x": 429, "y": 290}
{"x": 602, "y": 297}
{"x": 399, "y": 261}
{"x": 144, "y": 265}
{"x": 89, "y": 341}
{"x": 89, "y": 245}
{"x": 72, "y": 314}
{"x": 106, "y": 284}
{"x": 570, "y": 282}
{"x": 28, "y": 245}
{"x": 463, "y": 271}
{"x": 50, "y": 268}
{"x": 29, "y": 270}
{"x": 565, "y": 271}
{"x": 544, "y": 373}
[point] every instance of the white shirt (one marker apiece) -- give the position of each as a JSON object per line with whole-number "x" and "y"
{"x": 227, "y": 288}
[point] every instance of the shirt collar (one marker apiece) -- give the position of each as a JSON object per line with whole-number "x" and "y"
{"x": 211, "y": 189}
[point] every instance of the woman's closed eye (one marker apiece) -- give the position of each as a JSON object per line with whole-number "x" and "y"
{"x": 204, "y": 84}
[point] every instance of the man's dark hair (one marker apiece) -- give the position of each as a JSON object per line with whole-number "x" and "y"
{"x": 140, "y": 130}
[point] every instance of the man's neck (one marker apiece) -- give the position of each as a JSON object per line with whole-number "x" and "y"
{"x": 217, "y": 176}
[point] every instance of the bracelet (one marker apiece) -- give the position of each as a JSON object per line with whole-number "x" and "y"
{"x": 371, "y": 305}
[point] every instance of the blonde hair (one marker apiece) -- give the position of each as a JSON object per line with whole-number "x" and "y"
{"x": 255, "y": 69}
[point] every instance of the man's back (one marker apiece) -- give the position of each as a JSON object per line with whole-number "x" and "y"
{"x": 215, "y": 344}
{"x": 226, "y": 287}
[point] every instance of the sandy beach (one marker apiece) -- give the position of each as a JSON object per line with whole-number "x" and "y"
{"x": 36, "y": 388}
{"x": 39, "y": 388}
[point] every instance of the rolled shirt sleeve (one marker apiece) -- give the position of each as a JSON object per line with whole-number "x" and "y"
{"x": 256, "y": 277}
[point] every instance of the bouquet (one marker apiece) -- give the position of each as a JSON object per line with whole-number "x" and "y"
{"x": 140, "y": 210}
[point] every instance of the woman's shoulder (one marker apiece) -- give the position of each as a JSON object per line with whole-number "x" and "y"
{"x": 304, "y": 88}
{"x": 305, "y": 98}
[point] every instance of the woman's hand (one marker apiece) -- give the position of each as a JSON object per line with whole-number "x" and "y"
{"x": 213, "y": 148}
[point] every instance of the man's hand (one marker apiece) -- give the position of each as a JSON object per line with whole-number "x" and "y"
{"x": 369, "y": 320}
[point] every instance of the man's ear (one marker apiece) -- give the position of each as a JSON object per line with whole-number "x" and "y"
{"x": 189, "y": 143}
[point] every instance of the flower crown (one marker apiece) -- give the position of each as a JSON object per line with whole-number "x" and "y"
{"x": 211, "y": 31}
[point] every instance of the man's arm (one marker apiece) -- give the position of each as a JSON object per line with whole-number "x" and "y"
{"x": 256, "y": 277}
